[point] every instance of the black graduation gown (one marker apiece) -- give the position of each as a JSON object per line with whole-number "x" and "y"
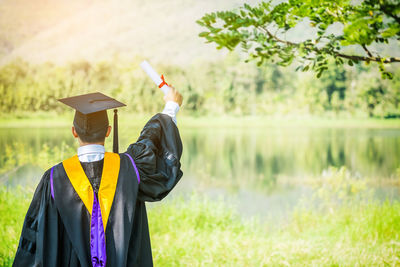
{"x": 56, "y": 232}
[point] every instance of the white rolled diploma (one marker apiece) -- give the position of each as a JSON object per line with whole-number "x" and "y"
{"x": 154, "y": 76}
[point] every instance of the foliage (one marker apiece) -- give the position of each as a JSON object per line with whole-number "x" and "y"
{"x": 228, "y": 86}
{"x": 18, "y": 155}
{"x": 13, "y": 206}
{"x": 338, "y": 187}
{"x": 261, "y": 31}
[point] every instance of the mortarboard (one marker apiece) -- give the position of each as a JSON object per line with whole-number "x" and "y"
{"x": 91, "y": 113}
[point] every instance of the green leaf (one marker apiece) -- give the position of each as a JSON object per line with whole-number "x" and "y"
{"x": 204, "y": 34}
{"x": 215, "y": 30}
{"x": 390, "y": 32}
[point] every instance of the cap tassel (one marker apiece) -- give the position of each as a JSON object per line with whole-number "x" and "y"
{"x": 115, "y": 138}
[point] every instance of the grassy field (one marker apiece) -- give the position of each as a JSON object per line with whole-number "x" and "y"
{"x": 200, "y": 232}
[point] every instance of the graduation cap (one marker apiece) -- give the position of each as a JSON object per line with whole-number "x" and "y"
{"x": 91, "y": 114}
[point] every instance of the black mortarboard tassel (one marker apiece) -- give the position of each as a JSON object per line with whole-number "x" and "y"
{"x": 115, "y": 137}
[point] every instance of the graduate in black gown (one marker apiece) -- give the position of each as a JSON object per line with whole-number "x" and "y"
{"x": 90, "y": 210}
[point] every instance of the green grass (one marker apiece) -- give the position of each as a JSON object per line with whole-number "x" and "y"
{"x": 13, "y": 206}
{"x": 200, "y": 232}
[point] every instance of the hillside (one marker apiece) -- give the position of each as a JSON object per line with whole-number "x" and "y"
{"x": 61, "y": 31}
{"x": 69, "y": 30}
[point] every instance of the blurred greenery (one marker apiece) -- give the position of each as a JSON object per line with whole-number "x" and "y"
{"x": 226, "y": 86}
{"x": 18, "y": 155}
{"x": 198, "y": 232}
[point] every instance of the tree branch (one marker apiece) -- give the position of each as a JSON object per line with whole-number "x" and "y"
{"x": 376, "y": 59}
{"x": 276, "y": 38}
{"x": 352, "y": 57}
{"x": 366, "y": 50}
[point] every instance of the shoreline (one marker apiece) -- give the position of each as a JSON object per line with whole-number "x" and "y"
{"x": 225, "y": 121}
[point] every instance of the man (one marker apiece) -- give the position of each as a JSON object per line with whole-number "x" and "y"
{"x": 89, "y": 210}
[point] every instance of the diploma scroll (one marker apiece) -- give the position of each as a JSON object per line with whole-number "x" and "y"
{"x": 157, "y": 79}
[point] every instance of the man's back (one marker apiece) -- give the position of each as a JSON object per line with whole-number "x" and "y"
{"x": 62, "y": 226}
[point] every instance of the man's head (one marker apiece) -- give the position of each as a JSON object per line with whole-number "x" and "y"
{"x": 91, "y": 128}
{"x": 91, "y": 121}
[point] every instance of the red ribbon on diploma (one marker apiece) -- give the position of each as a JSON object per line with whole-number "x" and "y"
{"x": 163, "y": 82}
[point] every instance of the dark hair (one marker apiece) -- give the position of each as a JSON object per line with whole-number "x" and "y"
{"x": 94, "y": 137}
{"x": 92, "y": 127}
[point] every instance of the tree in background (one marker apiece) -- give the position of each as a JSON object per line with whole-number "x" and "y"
{"x": 228, "y": 86}
{"x": 334, "y": 83}
{"x": 261, "y": 32}
{"x": 377, "y": 97}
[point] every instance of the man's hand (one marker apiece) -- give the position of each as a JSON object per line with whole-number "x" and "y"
{"x": 173, "y": 95}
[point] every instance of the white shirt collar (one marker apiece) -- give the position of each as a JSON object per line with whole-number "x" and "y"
{"x": 91, "y": 153}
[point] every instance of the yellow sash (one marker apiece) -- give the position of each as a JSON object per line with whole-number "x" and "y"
{"x": 108, "y": 184}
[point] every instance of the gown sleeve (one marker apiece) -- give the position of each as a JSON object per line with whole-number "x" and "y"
{"x": 30, "y": 236}
{"x": 157, "y": 155}
{"x": 43, "y": 240}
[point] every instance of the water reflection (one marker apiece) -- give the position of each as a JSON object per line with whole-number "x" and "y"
{"x": 257, "y": 158}
{"x": 235, "y": 159}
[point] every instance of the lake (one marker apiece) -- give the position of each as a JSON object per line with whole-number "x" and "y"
{"x": 259, "y": 170}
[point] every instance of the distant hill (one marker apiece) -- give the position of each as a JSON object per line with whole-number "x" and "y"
{"x": 68, "y": 30}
